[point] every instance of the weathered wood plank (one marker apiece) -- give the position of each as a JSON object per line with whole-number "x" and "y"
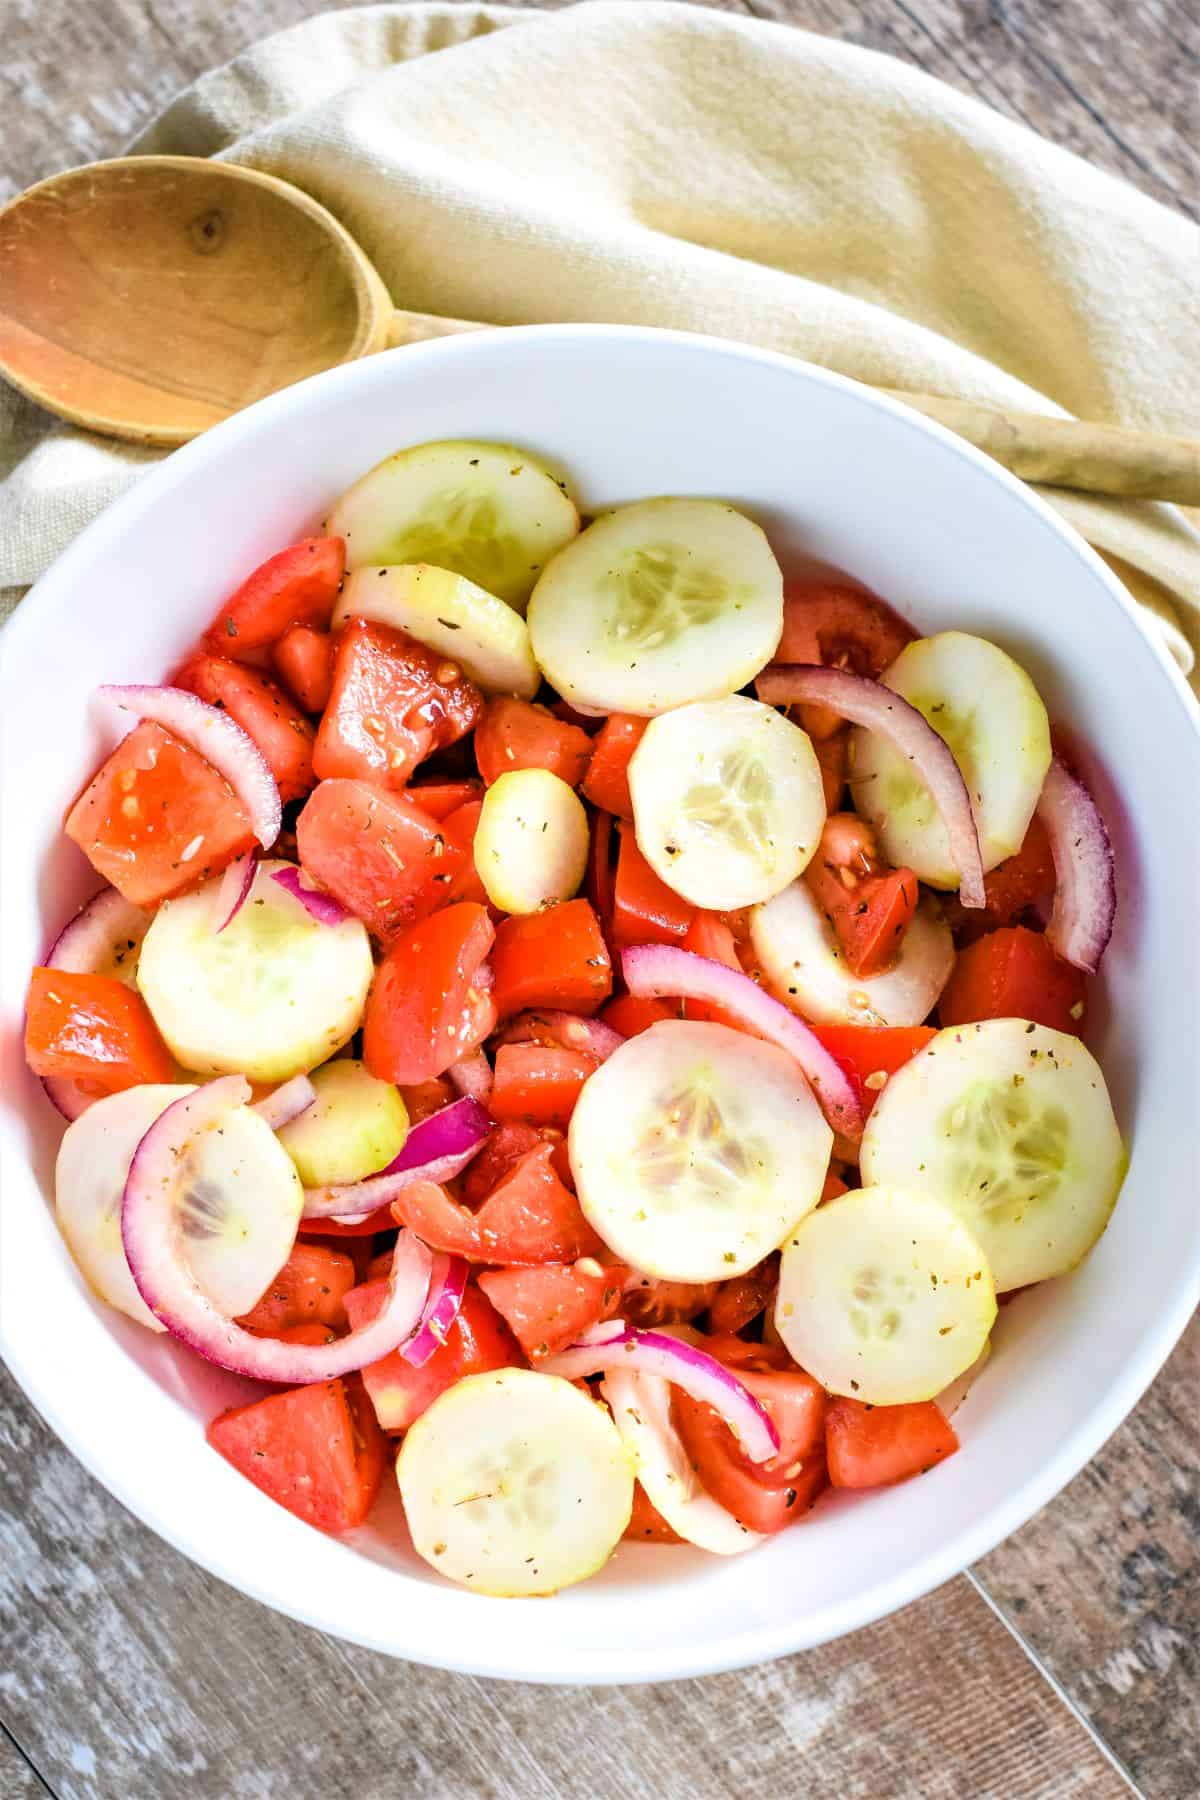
{"x": 134, "y": 1676}
{"x": 18, "y": 1779}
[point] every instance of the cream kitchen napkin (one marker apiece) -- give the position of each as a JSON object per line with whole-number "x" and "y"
{"x": 667, "y": 165}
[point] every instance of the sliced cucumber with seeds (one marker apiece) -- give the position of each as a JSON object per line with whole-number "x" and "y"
{"x": 1011, "y": 1125}
{"x": 695, "y": 1149}
{"x": 272, "y": 995}
{"x": 656, "y": 604}
{"x": 515, "y": 1483}
{"x": 450, "y": 614}
{"x": 992, "y": 717}
{"x": 531, "y": 843}
{"x": 728, "y": 802}
{"x": 353, "y": 1128}
{"x": 884, "y": 1295}
{"x": 487, "y": 511}
{"x": 798, "y": 950}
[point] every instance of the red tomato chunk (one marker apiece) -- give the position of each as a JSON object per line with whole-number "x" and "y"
{"x": 530, "y": 1217}
{"x": 310, "y": 1288}
{"x": 426, "y": 1008}
{"x": 538, "y": 1083}
{"x": 92, "y": 1028}
{"x": 393, "y": 703}
{"x": 645, "y": 909}
{"x": 513, "y": 734}
{"x": 264, "y": 713}
{"x": 554, "y": 958}
{"x": 477, "y": 1341}
{"x": 842, "y": 627}
{"x": 303, "y": 659}
{"x": 607, "y": 782}
{"x": 869, "y": 906}
{"x": 1014, "y": 974}
{"x": 316, "y": 1450}
{"x": 384, "y": 858}
{"x": 873, "y": 1446}
{"x": 296, "y": 586}
{"x": 548, "y": 1307}
{"x": 157, "y": 818}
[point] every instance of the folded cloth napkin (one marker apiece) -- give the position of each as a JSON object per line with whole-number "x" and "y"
{"x": 667, "y": 165}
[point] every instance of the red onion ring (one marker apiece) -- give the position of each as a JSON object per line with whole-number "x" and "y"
{"x": 316, "y": 902}
{"x": 85, "y": 942}
{"x": 447, "y": 1285}
{"x": 656, "y": 971}
{"x": 234, "y": 890}
{"x": 287, "y": 1102}
{"x": 1085, "y": 892}
{"x": 219, "y": 740}
{"x": 689, "y": 1368}
{"x": 592, "y": 1037}
{"x": 437, "y": 1149}
{"x": 472, "y": 1077}
{"x": 150, "y": 1233}
{"x": 876, "y": 708}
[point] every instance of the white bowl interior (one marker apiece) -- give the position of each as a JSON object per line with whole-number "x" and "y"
{"x": 833, "y": 473}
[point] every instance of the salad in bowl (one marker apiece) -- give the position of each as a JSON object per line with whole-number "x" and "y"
{"x": 590, "y": 1016}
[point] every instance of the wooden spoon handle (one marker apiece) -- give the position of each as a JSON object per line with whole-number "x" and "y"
{"x": 1070, "y": 453}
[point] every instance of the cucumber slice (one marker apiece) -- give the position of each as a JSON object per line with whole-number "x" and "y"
{"x": 641, "y": 1410}
{"x": 798, "y": 950}
{"x": 531, "y": 843}
{"x": 728, "y": 801}
{"x": 271, "y": 996}
{"x": 486, "y": 511}
{"x": 515, "y": 1483}
{"x": 656, "y": 604}
{"x": 241, "y": 1201}
{"x": 1010, "y": 1124}
{"x": 353, "y": 1128}
{"x": 884, "y": 1295}
{"x": 695, "y": 1149}
{"x": 992, "y": 717}
{"x": 483, "y": 635}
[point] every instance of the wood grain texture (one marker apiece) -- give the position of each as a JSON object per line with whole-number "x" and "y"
{"x": 180, "y": 1689}
{"x": 126, "y": 1672}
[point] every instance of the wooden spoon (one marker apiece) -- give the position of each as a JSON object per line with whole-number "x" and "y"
{"x": 148, "y": 297}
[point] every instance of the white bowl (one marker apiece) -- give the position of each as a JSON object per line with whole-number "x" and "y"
{"x": 834, "y": 472}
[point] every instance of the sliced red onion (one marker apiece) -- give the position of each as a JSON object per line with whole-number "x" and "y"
{"x": 219, "y": 740}
{"x": 287, "y": 1102}
{"x": 151, "y": 1235}
{"x": 447, "y": 1285}
{"x": 99, "y": 935}
{"x": 689, "y": 1368}
{"x": 1085, "y": 893}
{"x": 437, "y": 1149}
{"x": 876, "y": 708}
{"x": 317, "y": 903}
{"x": 234, "y": 890}
{"x": 472, "y": 1077}
{"x": 660, "y": 970}
{"x": 589, "y": 1036}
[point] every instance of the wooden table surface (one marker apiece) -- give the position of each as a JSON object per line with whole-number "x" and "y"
{"x": 1066, "y": 1663}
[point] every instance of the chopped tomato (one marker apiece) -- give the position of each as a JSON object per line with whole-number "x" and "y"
{"x": 607, "y": 781}
{"x": 477, "y": 1341}
{"x": 393, "y": 703}
{"x": 156, "y": 818}
{"x": 1014, "y": 974}
{"x": 502, "y": 1150}
{"x": 92, "y": 1028}
{"x": 384, "y": 858}
{"x": 296, "y": 586}
{"x": 311, "y": 1333}
{"x": 426, "y": 1008}
{"x": 832, "y": 753}
{"x": 873, "y": 1446}
{"x": 739, "y": 1301}
{"x": 870, "y": 1053}
{"x": 370, "y": 1223}
{"x": 1014, "y": 890}
{"x": 539, "y": 1083}
{"x": 514, "y": 734}
{"x": 601, "y": 877}
{"x": 303, "y": 660}
{"x": 528, "y": 1218}
{"x": 264, "y": 713}
{"x": 442, "y": 798}
{"x": 628, "y": 1014}
{"x": 761, "y": 1496}
{"x": 869, "y": 906}
{"x": 311, "y": 1286}
{"x": 708, "y": 935}
{"x": 424, "y": 1098}
{"x": 548, "y": 1307}
{"x": 648, "y": 1300}
{"x": 842, "y": 627}
{"x": 645, "y": 909}
{"x": 646, "y": 1524}
{"x": 316, "y": 1450}
{"x": 460, "y": 827}
{"x": 553, "y": 958}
